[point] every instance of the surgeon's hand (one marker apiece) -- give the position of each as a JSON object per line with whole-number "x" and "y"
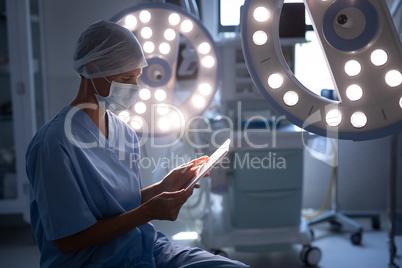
{"x": 166, "y": 205}
{"x": 181, "y": 176}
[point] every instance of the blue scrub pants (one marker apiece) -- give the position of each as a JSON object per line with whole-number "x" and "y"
{"x": 169, "y": 255}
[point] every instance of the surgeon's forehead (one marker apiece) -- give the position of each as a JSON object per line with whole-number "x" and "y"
{"x": 132, "y": 73}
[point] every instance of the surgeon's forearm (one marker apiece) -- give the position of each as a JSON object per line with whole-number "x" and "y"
{"x": 103, "y": 231}
{"x": 150, "y": 191}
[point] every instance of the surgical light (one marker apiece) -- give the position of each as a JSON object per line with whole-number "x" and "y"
{"x": 354, "y": 92}
{"x": 164, "y": 124}
{"x": 164, "y": 105}
{"x": 363, "y": 52}
{"x": 379, "y": 57}
{"x": 198, "y": 101}
{"x": 174, "y": 19}
{"x": 291, "y": 98}
{"x": 162, "y": 110}
{"x": 140, "y": 107}
{"x": 170, "y": 34}
{"x": 393, "y": 78}
{"x": 136, "y": 122}
{"x": 260, "y": 38}
{"x": 353, "y": 68}
{"x": 208, "y": 61}
{"x": 275, "y": 81}
{"x": 187, "y": 26}
{"x": 164, "y": 48}
{"x": 160, "y": 95}
{"x": 149, "y": 47}
{"x": 204, "y": 48}
{"x": 261, "y": 14}
{"x": 145, "y": 16}
{"x": 131, "y": 22}
{"x": 124, "y": 116}
{"x": 358, "y": 119}
{"x": 205, "y": 89}
{"x": 333, "y": 118}
{"x": 145, "y": 94}
{"x": 146, "y": 32}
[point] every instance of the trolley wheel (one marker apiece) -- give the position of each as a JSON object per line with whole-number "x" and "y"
{"x": 356, "y": 238}
{"x": 335, "y": 226}
{"x": 375, "y": 223}
{"x": 219, "y": 252}
{"x": 310, "y": 256}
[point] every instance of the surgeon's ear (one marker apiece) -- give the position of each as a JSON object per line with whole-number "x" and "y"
{"x": 91, "y": 68}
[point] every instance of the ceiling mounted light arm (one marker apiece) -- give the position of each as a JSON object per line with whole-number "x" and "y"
{"x": 364, "y": 56}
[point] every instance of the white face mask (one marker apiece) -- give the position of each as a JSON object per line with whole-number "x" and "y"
{"x": 121, "y": 96}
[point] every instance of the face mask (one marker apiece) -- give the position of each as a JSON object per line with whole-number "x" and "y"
{"x": 121, "y": 96}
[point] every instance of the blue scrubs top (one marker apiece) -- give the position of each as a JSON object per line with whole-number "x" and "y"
{"x": 77, "y": 177}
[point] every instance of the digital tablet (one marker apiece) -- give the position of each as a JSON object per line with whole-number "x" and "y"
{"x": 212, "y": 161}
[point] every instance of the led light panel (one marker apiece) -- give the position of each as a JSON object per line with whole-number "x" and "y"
{"x": 364, "y": 56}
{"x": 161, "y": 28}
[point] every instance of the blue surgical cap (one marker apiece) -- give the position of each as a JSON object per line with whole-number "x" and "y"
{"x": 106, "y": 48}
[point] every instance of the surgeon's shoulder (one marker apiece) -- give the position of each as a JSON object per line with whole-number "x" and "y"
{"x": 52, "y": 133}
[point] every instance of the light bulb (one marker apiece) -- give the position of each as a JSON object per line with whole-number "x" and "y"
{"x": 162, "y": 109}
{"x": 393, "y": 78}
{"x": 333, "y": 118}
{"x": 204, "y": 48}
{"x": 145, "y": 94}
{"x": 208, "y": 61}
{"x": 130, "y": 22}
{"x": 291, "y": 98}
{"x": 353, "y": 68}
{"x": 145, "y": 16}
{"x": 275, "y": 81}
{"x": 198, "y": 101}
{"x": 260, "y": 38}
{"x": 400, "y": 102}
{"x": 124, "y": 116}
{"x": 354, "y": 92}
{"x": 169, "y": 34}
{"x": 146, "y": 32}
{"x": 358, "y": 119}
{"x": 160, "y": 95}
{"x": 187, "y": 26}
{"x": 140, "y": 108}
{"x": 136, "y": 122}
{"x": 205, "y": 89}
{"x": 149, "y": 47}
{"x": 175, "y": 119}
{"x": 379, "y": 57}
{"x": 261, "y": 14}
{"x": 164, "y": 48}
{"x": 174, "y": 19}
{"x": 164, "y": 124}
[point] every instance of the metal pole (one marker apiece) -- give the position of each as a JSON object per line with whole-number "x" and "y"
{"x": 392, "y": 200}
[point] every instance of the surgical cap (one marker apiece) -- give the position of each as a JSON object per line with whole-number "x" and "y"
{"x": 105, "y": 49}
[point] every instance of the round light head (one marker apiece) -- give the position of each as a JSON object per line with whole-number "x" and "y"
{"x": 363, "y": 55}
{"x": 167, "y": 33}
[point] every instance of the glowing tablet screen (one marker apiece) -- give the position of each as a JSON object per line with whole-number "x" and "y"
{"x": 212, "y": 161}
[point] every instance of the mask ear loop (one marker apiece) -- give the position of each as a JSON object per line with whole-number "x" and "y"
{"x": 93, "y": 84}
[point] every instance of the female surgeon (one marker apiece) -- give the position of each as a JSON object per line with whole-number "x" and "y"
{"x": 88, "y": 207}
